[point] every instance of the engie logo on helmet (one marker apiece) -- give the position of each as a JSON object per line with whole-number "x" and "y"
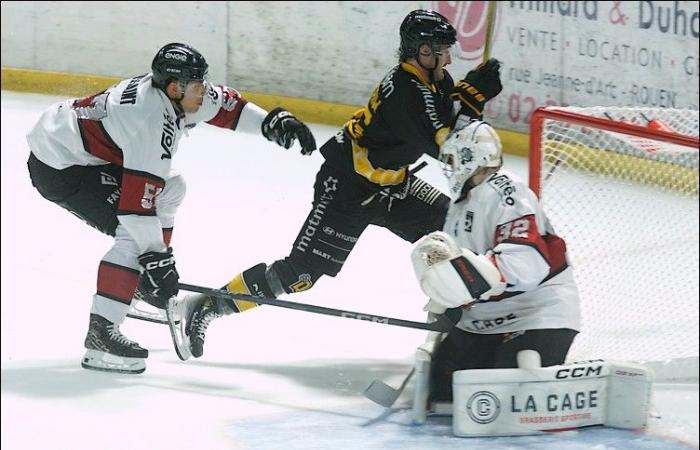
{"x": 470, "y": 21}
{"x": 175, "y": 55}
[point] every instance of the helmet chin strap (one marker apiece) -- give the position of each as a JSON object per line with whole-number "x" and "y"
{"x": 177, "y": 102}
{"x": 431, "y": 71}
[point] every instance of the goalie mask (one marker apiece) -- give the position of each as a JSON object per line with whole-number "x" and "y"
{"x": 466, "y": 150}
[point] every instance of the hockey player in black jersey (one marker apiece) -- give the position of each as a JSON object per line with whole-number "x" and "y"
{"x": 364, "y": 179}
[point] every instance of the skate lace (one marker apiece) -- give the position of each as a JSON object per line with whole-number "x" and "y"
{"x": 204, "y": 322}
{"x": 116, "y": 335}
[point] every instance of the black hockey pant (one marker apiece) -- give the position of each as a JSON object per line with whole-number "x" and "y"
{"x": 462, "y": 350}
{"x": 338, "y": 218}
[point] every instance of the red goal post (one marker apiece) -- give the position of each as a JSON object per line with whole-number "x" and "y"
{"x": 620, "y": 185}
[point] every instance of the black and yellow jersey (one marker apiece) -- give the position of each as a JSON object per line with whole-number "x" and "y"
{"x": 406, "y": 117}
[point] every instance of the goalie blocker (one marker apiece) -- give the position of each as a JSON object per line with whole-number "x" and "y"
{"x": 534, "y": 399}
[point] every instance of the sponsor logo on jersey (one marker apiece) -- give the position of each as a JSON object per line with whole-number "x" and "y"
{"x": 113, "y": 198}
{"x": 230, "y": 99}
{"x": 150, "y": 192}
{"x": 387, "y": 84}
{"x": 108, "y": 179}
{"x": 330, "y": 185}
{"x": 167, "y": 139}
{"x": 468, "y": 221}
{"x": 302, "y": 284}
{"x": 429, "y": 102}
{"x": 504, "y": 186}
{"x": 331, "y": 232}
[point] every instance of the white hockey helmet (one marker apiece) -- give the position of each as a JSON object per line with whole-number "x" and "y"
{"x": 467, "y": 148}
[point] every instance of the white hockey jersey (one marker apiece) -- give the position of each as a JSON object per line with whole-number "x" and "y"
{"x": 503, "y": 215}
{"x": 134, "y": 125}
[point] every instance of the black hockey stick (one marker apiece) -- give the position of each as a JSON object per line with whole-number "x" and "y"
{"x": 442, "y": 324}
{"x": 386, "y": 190}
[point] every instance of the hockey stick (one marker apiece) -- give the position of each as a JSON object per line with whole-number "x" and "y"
{"x": 386, "y": 190}
{"x": 443, "y": 323}
{"x": 490, "y": 19}
{"x": 383, "y": 394}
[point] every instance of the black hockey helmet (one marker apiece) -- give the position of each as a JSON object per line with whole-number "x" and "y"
{"x": 178, "y": 62}
{"x": 425, "y": 27}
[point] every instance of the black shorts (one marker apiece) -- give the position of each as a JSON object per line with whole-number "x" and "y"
{"x": 89, "y": 192}
{"x": 462, "y": 350}
{"x": 338, "y": 218}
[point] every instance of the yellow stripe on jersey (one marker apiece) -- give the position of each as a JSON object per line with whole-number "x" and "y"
{"x": 238, "y": 286}
{"x": 363, "y": 166}
{"x": 441, "y": 135}
{"x": 411, "y": 69}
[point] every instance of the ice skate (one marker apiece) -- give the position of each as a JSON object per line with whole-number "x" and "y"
{"x": 109, "y": 350}
{"x": 188, "y": 319}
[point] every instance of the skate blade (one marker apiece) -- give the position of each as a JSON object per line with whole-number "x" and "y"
{"x": 143, "y": 311}
{"x": 106, "y": 362}
{"x": 181, "y": 341}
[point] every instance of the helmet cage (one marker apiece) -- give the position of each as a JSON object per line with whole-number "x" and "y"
{"x": 466, "y": 150}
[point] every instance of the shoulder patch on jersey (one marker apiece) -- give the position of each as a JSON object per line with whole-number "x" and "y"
{"x": 231, "y": 98}
{"x": 505, "y": 187}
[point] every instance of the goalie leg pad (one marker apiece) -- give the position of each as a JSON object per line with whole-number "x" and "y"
{"x": 504, "y": 402}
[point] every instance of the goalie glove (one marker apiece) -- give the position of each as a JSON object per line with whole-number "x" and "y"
{"x": 281, "y": 127}
{"x": 452, "y": 276}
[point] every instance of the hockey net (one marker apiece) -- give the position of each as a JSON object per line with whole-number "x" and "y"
{"x": 620, "y": 185}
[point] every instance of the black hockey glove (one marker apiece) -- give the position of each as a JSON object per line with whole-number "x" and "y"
{"x": 479, "y": 86}
{"x": 392, "y": 192}
{"x": 282, "y": 127}
{"x": 160, "y": 274}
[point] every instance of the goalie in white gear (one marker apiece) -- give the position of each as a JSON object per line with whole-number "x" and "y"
{"x": 498, "y": 261}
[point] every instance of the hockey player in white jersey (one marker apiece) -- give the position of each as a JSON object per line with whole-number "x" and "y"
{"x": 498, "y": 262}
{"x": 107, "y": 159}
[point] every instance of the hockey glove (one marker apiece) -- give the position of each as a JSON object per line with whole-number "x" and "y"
{"x": 391, "y": 192}
{"x": 281, "y": 127}
{"x": 160, "y": 274}
{"x": 479, "y": 86}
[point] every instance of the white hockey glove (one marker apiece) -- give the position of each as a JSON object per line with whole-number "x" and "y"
{"x": 452, "y": 276}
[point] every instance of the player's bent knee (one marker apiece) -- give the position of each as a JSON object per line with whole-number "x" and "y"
{"x": 292, "y": 275}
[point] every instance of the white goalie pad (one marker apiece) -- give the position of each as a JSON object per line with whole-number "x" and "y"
{"x": 505, "y": 402}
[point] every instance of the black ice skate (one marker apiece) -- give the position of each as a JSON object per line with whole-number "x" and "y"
{"x": 189, "y": 319}
{"x": 111, "y": 351}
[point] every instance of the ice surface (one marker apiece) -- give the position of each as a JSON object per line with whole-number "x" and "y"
{"x": 270, "y": 378}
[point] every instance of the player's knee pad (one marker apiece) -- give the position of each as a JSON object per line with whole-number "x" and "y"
{"x": 253, "y": 282}
{"x": 292, "y": 275}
